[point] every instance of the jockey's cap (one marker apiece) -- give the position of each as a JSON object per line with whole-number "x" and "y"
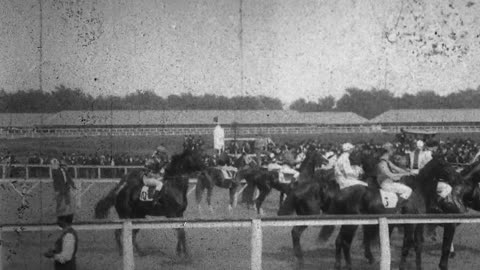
{"x": 54, "y": 161}
{"x": 272, "y": 155}
{"x": 420, "y": 144}
{"x": 347, "y": 147}
{"x": 387, "y": 146}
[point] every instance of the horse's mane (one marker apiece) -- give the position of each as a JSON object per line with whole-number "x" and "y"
{"x": 187, "y": 162}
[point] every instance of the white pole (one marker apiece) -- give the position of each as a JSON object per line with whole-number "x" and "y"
{"x": 385, "y": 257}
{"x": 256, "y": 249}
{"x": 128, "y": 260}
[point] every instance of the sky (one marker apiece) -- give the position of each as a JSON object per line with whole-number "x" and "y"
{"x": 285, "y": 49}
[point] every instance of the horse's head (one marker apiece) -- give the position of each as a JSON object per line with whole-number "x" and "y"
{"x": 189, "y": 161}
{"x": 313, "y": 160}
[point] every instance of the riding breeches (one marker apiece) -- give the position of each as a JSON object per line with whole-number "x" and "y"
{"x": 403, "y": 190}
{"x": 153, "y": 182}
{"x": 348, "y": 182}
{"x": 443, "y": 189}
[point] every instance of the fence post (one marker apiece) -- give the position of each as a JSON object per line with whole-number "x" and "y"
{"x": 75, "y": 172}
{"x": 256, "y": 242}
{"x": 385, "y": 257}
{"x": 4, "y": 171}
{"x": 26, "y": 172}
{"x": 127, "y": 246}
{"x": 99, "y": 173}
{"x": 50, "y": 172}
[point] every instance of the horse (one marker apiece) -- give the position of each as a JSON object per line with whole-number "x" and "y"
{"x": 264, "y": 181}
{"x": 213, "y": 176}
{"x": 367, "y": 200}
{"x": 126, "y": 197}
{"x": 326, "y": 196}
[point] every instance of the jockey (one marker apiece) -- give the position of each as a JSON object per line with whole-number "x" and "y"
{"x": 419, "y": 158}
{"x": 155, "y": 168}
{"x": 282, "y": 170}
{"x": 224, "y": 166}
{"x": 389, "y": 174}
{"x": 346, "y": 174}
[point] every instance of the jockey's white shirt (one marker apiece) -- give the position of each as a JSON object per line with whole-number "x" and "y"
{"x": 285, "y": 169}
{"x": 346, "y": 174}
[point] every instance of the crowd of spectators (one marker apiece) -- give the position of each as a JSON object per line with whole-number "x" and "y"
{"x": 454, "y": 150}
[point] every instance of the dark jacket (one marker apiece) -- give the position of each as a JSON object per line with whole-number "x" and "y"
{"x": 69, "y": 265}
{"x": 61, "y": 184}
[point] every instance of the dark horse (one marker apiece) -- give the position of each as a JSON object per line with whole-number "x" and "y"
{"x": 357, "y": 200}
{"x": 125, "y": 196}
{"x": 265, "y": 181}
{"x": 211, "y": 177}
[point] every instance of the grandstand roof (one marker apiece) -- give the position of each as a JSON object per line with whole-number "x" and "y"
{"x": 198, "y": 117}
{"x": 429, "y": 116}
{"x": 23, "y": 119}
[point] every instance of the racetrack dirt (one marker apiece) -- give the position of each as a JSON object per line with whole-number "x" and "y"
{"x": 211, "y": 248}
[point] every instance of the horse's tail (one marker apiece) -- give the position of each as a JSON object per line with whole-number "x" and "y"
{"x": 104, "y": 205}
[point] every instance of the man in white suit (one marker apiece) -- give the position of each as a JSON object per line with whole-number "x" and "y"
{"x": 419, "y": 157}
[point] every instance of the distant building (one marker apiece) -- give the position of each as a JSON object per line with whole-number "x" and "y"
{"x": 439, "y": 120}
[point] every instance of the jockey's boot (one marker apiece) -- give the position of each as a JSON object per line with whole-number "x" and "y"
{"x": 156, "y": 197}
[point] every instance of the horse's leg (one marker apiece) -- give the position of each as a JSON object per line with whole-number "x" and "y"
{"x": 448, "y": 234}
{"x": 199, "y": 189}
{"x": 264, "y": 191}
{"x": 182, "y": 249}
{"x": 118, "y": 238}
{"x": 418, "y": 237}
{"x": 407, "y": 243}
{"x": 135, "y": 243}
{"x": 297, "y": 248}
{"x": 344, "y": 242}
{"x": 209, "y": 199}
{"x": 452, "y": 251}
{"x": 369, "y": 233}
{"x": 233, "y": 201}
{"x": 280, "y": 201}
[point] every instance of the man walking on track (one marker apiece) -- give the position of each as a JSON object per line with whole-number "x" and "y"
{"x": 66, "y": 246}
{"x": 62, "y": 185}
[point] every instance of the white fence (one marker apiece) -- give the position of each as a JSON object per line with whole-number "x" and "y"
{"x": 256, "y": 226}
{"x": 83, "y": 185}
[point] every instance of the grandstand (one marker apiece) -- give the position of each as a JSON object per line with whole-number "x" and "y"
{"x": 175, "y": 122}
{"x": 438, "y": 120}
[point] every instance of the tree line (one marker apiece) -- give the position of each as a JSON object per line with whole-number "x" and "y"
{"x": 370, "y": 103}
{"x": 366, "y": 103}
{"x": 63, "y": 98}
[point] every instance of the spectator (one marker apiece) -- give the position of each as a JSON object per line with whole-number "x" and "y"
{"x": 62, "y": 185}
{"x": 66, "y": 246}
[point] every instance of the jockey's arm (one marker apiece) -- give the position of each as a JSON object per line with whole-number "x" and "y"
{"x": 384, "y": 168}
{"x": 397, "y": 169}
{"x": 348, "y": 170}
